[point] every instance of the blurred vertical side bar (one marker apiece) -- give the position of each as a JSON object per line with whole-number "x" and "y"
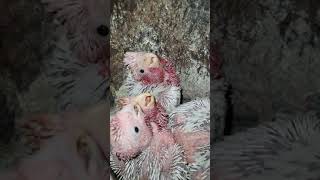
{"x": 219, "y": 90}
{"x": 109, "y": 10}
{"x": 212, "y": 123}
{"x": 109, "y": 95}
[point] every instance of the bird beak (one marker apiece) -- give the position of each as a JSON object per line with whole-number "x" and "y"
{"x": 149, "y": 100}
{"x": 145, "y": 100}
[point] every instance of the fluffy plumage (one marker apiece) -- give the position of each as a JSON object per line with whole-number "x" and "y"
{"x": 78, "y": 84}
{"x": 285, "y": 149}
{"x": 86, "y": 25}
{"x": 192, "y": 116}
{"x": 190, "y": 124}
{"x": 163, "y": 158}
{"x": 149, "y": 165}
{"x": 130, "y": 135}
{"x": 158, "y": 78}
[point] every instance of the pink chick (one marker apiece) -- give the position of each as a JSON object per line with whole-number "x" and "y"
{"x": 151, "y": 73}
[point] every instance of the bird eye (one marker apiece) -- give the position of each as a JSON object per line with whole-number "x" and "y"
{"x": 103, "y": 30}
{"x": 141, "y": 71}
{"x": 136, "y": 129}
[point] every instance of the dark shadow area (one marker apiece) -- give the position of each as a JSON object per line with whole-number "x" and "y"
{"x": 270, "y": 53}
{"x": 229, "y": 113}
{"x": 54, "y": 94}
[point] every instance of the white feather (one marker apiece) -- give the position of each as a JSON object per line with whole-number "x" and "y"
{"x": 168, "y": 96}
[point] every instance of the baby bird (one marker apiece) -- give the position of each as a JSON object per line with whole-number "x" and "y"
{"x": 86, "y": 26}
{"x": 154, "y": 74}
{"x": 140, "y": 148}
{"x": 152, "y": 110}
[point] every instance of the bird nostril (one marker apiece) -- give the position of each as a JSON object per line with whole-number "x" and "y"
{"x": 103, "y": 30}
{"x": 141, "y": 71}
{"x": 148, "y": 100}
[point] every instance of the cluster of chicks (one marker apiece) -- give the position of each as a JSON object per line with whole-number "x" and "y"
{"x": 153, "y": 136}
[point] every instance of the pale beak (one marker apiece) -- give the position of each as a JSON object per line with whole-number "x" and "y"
{"x": 145, "y": 100}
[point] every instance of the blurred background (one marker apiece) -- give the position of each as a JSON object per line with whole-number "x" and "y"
{"x": 264, "y": 56}
{"x": 42, "y": 68}
{"x": 270, "y": 51}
